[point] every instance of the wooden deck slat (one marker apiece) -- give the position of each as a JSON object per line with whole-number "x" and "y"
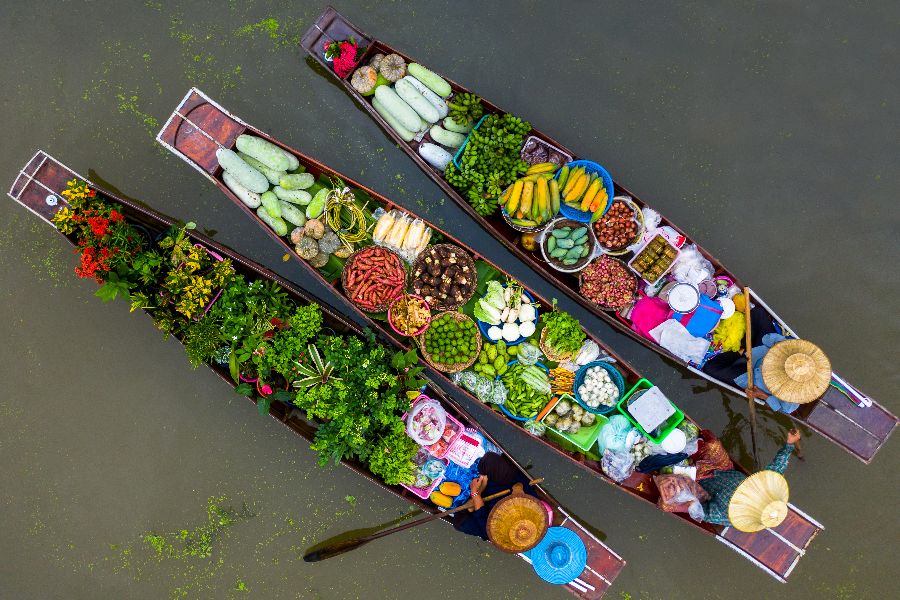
{"x": 771, "y": 551}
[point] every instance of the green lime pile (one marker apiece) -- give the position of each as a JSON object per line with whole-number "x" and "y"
{"x": 450, "y": 341}
{"x": 494, "y": 358}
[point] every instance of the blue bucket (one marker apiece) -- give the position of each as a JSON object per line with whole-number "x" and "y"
{"x": 503, "y": 406}
{"x": 614, "y": 374}
{"x": 590, "y": 166}
{"x": 485, "y": 326}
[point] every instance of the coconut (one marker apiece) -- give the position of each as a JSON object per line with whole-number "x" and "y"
{"x": 364, "y": 79}
{"x": 314, "y": 228}
{"x": 392, "y": 67}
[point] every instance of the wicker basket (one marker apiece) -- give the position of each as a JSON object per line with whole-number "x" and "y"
{"x": 380, "y": 308}
{"x": 550, "y": 352}
{"x": 457, "y": 367}
{"x": 639, "y": 219}
{"x": 467, "y": 261}
{"x": 603, "y": 307}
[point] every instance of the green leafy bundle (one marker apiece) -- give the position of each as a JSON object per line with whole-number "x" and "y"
{"x": 490, "y": 161}
{"x": 564, "y": 332}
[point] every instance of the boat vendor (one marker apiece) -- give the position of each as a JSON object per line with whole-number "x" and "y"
{"x": 496, "y": 473}
{"x": 750, "y": 503}
{"x": 787, "y": 372}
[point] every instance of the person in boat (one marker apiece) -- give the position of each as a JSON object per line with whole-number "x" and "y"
{"x": 723, "y": 485}
{"x": 798, "y": 370}
{"x": 496, "y": 473}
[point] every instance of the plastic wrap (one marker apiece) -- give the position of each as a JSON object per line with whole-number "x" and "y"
{"x": 426, "y": 421}
{"x": 617, "y": 435}
{"x": 401, "y": 233}
{"x": 618, "y": 465}
{"x": 691, "y": 267}
{"x": 529, "y": 354}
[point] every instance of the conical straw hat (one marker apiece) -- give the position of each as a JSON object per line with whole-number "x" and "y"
{"x": 517, "y": 523}
{"x": 796, "y": 371}
{"x": 759, "y": 502}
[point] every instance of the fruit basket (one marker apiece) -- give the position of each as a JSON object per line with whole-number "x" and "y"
{"x": 555, "y": 245}
{"x": 590, "y": 167}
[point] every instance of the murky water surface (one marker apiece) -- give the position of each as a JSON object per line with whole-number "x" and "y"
{"x": 768, "y": 131}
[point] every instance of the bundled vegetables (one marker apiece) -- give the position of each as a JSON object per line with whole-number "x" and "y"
{"x": 523, "y": 400}
{"x": 509, "y": 310}
{"x": 562, "y": 334}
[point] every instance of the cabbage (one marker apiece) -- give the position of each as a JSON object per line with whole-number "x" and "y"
{"x": 494, "y": 295}
{"x": 486, "y": 312}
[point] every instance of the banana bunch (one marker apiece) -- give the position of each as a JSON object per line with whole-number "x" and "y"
{"x": 582, "y": 190}
{"x": 533, "y": 199}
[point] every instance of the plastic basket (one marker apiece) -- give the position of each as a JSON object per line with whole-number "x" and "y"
{"x": 440, "y": 451}
{"x": 665, "y": 429}
{"x": 583, "y": 216}
{"x": 586, "y": 436}
{"x": 613, "y": 374}
{"x": 503, "y": 408}
{"x": 465, "y": 143}
{"x": 426, "y": 492}
{"x": 485, "y": 326}
{"x": 644, "y": 247}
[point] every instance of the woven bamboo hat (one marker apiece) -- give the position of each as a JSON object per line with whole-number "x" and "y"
{"x": 517, "y": 523}
{"x": 796, "y": 371}
{"x": 759, "y": 502}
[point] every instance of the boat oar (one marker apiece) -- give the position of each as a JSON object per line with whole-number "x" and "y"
{"x": 348, "y": 545}
{"x": 749, "y": 389}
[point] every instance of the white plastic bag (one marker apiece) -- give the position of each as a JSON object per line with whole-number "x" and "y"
{"x": 618, "y": 465}
{"x": 691, "y": 267}
{"x": 674, "y": 337}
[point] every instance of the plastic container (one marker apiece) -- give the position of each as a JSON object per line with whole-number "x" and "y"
{"x": 550, "y": 148}
{"x": 665, "y": 429}
{"x": 586, "y": 436}
{"x": 459, "y": 152}
{"x": 424, "y": 493}
{"x": 505, "y": 410}
{"x": 613, "y": 374}
{"x": 583, "y": 216}
{"x": 485, "y": 326}
{"x": 440, "y": 448}
{"x": 421, "y": 404}
{"x": 641, "y": 249}
{"x": 583, "y": 262}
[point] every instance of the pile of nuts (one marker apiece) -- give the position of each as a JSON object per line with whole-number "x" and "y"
{"x": 617, "y": 228}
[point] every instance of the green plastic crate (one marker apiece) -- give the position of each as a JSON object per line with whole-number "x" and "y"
{"x": 586, "y": 436}
{"x": 665, "y": 429}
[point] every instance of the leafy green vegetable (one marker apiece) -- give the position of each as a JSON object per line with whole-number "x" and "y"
{"x": 564, "y": 332}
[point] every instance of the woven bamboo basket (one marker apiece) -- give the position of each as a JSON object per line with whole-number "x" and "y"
{"x": 456, "y": 367}
{"x": 379, "y": 308}
{"x": 467, "y": 260}
{"x": 550, "y": 352}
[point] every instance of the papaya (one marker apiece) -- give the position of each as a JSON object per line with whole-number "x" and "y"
{"x": 441, "y": 500}
{"x": 450, "y": 488}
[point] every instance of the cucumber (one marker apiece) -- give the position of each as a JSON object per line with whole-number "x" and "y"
{"x": 264, "y": 151}
{"x": 436, "y": 101}
{"x": 298, "y": 170}
{"x": 273, "y": 175}
{"x": 317, "y": 205}
{"x": 276, "y": 223}
{"x": 292, "y": 214}
{"x": 249, "y": 198}
{"x": 451, "y": 139}
{"x": 293, "y": 160}
{"x": 246, "y": 175}
{"x": 296, "y": 181}
{"x": 417, "y": 101}
{"x": 394, "y": 104}
{"x": 301, "y": 197}
{"x": 558, "y": 253}
{"x": 451, "y": 125}
{"x": 434, "y": 81}
{"x": 271, "y": 204}
{"x": 436, "y": 156}
{"x": 405, "y": 134}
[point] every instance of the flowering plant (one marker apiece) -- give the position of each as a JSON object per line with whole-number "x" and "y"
{"x": 106, "y": 242}
{"x": 344, "y": 55}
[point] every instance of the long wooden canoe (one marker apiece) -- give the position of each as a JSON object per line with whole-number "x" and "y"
{"x": 199, "y": 126}
{"x": 38, "y": 187}
{"x": 848, "y": 418}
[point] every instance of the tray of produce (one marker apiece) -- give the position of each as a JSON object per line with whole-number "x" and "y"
{"x": 568, "y": 245}
{"x": 527, "y": 390}
{"x": 452, "y": 430}
{"x": 444, "y": 275}
{"x": 620, "y": 227}
{"x": 598, "y": 387}
{"x": 425, "y": 421}
{"x": 608, "y": 283}
{"x": 654, "y": 259}
{"x": 409, "y": 315}
{"x": 429, "y": 473}
{"x": 399, "y": 232}
{"x": 581, "y": 428}
{"x": 451, "y": 343}
{"x": 585, "y": 188}
{"x": 373, "y": 277}
{"x": 533, "y": 200}
{"x": 506, "y": 312}
{"x": 535, "y": 150}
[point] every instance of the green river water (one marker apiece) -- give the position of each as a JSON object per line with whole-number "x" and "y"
{"x": 769, "y": 131}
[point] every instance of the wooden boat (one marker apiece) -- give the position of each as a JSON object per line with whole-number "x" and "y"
{"x": 38, "y": 187}
{"x": 844, "y": 415}
{"x": 199, "y": 126}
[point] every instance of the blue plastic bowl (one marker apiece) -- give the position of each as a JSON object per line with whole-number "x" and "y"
{"x": 613, "y": 374}
{"x": 459, "y": 152}
{"x": 583, "y": 216}
{"x": 485, "y": 326}
{"x": 503, "y": 406}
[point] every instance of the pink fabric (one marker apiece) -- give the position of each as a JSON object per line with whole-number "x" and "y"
{"x": 648, "y": 312}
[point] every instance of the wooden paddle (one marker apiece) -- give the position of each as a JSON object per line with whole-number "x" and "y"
{"x": 348, "y": 545}
{"x": 749, "y": 389}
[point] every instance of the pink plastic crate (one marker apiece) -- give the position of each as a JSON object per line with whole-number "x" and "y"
{"x": 440, "y": 448}
{"x": 425, "y": 493}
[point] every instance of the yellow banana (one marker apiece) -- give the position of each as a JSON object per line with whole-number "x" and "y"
{"x": 545, "y": 167}
{"x": 515, "y": 197}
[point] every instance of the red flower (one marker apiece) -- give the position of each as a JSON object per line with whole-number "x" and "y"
{"x": 116, "y": 216}
{"x": 346, "y": 61}
{"x": 99, "y": 226}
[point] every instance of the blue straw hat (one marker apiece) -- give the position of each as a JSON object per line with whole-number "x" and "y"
{"x": 560, "y": 557}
